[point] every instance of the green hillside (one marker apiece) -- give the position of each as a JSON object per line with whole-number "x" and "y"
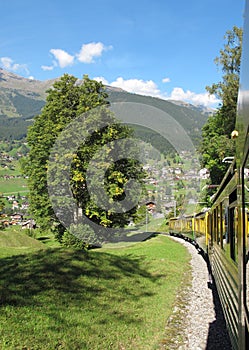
{"x": 13, "y": 128}
{"x": 14, "y": 103}
{"x": 15, "y": 238}
{"x": 15, "y": 242}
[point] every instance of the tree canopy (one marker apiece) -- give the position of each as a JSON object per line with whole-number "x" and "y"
{"x": 66, "y": 101}
{"x": 216, "y": 133}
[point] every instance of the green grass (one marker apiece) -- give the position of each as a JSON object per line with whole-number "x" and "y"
{"x": 141, "y": 233}
{"x": 58, "y": 298}
{"x": 153, "y": 225}
{"x": 47, "y": 238}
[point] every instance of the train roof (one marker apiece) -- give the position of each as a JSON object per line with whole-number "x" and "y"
{"x": 190, "y": 216}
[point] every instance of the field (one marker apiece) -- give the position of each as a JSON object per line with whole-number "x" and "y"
{"x": 57, "y": 298}
{"x": 13, "y": 186}
{"x": 16, "y": 183}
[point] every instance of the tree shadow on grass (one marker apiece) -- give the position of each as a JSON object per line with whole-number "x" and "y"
{"x": 56, "y": 279}
{"x": 136, "y": 237}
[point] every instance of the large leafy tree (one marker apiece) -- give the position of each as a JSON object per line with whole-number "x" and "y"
{"x": 216, "y": 133}
{"x": 67, "y": 100}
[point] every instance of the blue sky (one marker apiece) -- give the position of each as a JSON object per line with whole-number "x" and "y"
{"x": 161, "y": 48}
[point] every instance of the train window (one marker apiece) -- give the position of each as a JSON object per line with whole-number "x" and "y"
{"x": 233, "y": 232}
{"x": 217, "y": 215}
{"x": 224, "y": 220}
{"x": 233, "y": 226}
{"x": 215, "y": 224}
{"x": 210, "y": 228}
{"x": 220, "y": 218}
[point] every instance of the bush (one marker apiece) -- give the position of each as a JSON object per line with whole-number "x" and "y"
{"x": 80, "y": 236}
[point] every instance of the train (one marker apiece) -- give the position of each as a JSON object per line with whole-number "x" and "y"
{"x": 222, "y": 230}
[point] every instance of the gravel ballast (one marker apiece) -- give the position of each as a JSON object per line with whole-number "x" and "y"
{"x": 199, "y": 319}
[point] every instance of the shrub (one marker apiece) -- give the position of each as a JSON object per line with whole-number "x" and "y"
{"x": 80, "y": 236}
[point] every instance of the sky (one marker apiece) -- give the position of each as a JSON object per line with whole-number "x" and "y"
{"x": 161, "y": 48}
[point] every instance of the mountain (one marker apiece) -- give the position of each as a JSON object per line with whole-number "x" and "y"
{"x": 21, "y": 99}
{"x": 200, "y": 108}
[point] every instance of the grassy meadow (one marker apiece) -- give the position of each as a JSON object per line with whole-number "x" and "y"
{"x": 14, "y": 185}
{"x": 58, "y": 298}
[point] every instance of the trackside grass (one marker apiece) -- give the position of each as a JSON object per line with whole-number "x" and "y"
{"x": 56, "y": 298}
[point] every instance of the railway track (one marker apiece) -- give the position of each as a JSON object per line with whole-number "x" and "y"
{"x": 202, "y": 324}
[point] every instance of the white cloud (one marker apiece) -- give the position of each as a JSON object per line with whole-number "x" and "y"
{"x": 47, "y": 67}
{"x": 8, "y": 63}
{"x": 86, "y": 55}
{"x": 64, "y": 59}
{"x": 204, "y": 99}
{"x": 89, "y": 51}
{"x": 150, "y": 88}
{"x": 166, "y": 80}
{"x": 137, "y": 86}
{"x": 101, "y": 79}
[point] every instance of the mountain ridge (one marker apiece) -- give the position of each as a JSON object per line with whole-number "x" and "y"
{"x": 22, "y": 98}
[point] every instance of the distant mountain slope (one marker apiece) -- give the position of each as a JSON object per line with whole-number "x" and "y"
{"x": 10, "y": 81}
{"x": 190, "y": 119}
{"x": 16, "y": 103}
{"x": 21, "y": 99}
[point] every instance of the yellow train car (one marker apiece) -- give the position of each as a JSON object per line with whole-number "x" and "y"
{"x": 182, "y": 225}
{"x": 195, "y": 227}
